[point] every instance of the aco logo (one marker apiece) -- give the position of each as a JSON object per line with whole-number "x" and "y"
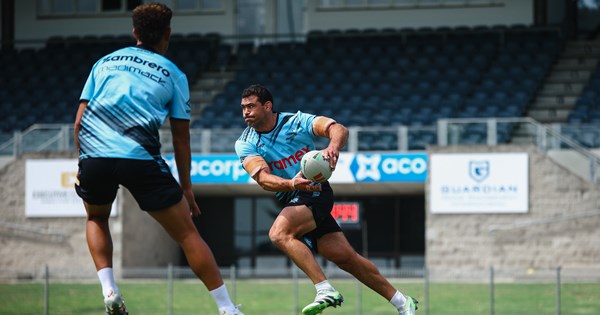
{"x": 389, "y": 167}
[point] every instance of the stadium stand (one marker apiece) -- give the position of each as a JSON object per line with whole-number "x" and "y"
{"x": 586, "y": 111}
{"x": 43, "y": 85}
{"x": 404, "y": 77}
{"x": 370, "y": 77}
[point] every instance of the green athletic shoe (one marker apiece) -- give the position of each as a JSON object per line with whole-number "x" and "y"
{"x": 410, "y": 307}
{"x": 322, "y": 301}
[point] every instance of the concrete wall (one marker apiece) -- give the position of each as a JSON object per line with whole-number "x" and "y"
{"x": 512, "y": 12}
{"x": 145, "y": 243}
{"x": 60, "y": 243}
{"x": 28, "y": 26}
{"x": 459, "y": 244}
{"x": 57, "y": 242}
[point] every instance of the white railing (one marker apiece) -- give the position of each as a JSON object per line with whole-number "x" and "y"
{"x": 547, "y": 138}
{"x": 450, "y": 131}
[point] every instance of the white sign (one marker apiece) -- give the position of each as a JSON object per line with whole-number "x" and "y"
{"x": 50, "y": 189}
{"x": 479, "y": 183}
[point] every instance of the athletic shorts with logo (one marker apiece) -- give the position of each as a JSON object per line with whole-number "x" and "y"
{"x": 320, "y": 203}
{"x": 149, "y": 181}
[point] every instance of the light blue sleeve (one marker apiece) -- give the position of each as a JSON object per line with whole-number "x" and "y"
{"x": 88, "y": 89}
{"x": 244, "y": 150}
{"x": 180, "y": 106}
{"x": 306, "y": 121}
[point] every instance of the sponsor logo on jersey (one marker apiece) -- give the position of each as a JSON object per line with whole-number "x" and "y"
{"x": 154, "y": 75}
{"x": 288, "y": 161}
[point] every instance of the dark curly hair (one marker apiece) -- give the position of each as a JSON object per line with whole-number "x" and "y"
{"x": 262, "y": 93}
{"x": 150, "y": 21}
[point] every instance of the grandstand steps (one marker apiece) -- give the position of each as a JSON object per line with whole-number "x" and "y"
{"x": 568, "y": 76}
{"x": 562, "y": 87}
{"x": 207, "y": 87}
{"x": 558, "y": 101}
{"x": 577, "y": 63}
{"x": 522, "y": 135}
{"x": 582, "y": 49}
{"x": 552, "y": 108}
{"x": 549, "y": 115}
{"x": 525, "y": 134}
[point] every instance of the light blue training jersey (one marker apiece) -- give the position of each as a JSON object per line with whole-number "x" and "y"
{"x": 131, "y": 92}
{"x": 282, "y": 148}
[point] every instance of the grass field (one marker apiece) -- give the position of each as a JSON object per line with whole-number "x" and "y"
{"x": 276, "y": 297}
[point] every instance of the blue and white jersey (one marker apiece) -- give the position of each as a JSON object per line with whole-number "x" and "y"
{"x": 131, "y": 92}
{"x": 283, "y": 147}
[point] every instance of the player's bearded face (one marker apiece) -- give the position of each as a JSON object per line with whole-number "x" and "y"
{"x": 253, "y": 111}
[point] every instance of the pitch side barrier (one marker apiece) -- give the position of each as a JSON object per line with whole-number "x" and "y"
{"x": 492, "y": 131}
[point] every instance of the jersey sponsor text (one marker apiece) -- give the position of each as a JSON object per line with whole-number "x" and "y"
{"x": 288, "y": 161}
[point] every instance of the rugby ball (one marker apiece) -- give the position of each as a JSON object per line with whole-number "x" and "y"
{"x": 315, "y": 167}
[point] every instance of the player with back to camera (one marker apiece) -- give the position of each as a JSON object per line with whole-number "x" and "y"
{"x": 126, "y": 98}
{"x": 269, "y": 150}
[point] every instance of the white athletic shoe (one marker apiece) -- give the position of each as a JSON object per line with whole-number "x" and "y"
{"x": 231, "y": 311}
{"x": 410, "y": 307}
{"x": 115, "y": 305}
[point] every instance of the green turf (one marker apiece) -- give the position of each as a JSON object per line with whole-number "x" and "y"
{"x": 275, "y": 297}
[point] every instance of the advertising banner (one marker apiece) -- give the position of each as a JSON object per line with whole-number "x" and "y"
{"x": 50, "y": 190}
{"x": 479, "y": 183}
{"x": 351, "y": 168}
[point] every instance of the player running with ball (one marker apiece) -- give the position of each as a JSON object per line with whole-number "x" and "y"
{"x": 270, "y": 150}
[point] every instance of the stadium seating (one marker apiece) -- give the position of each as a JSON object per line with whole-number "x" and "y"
{"x": 365, "y": 78}
{"x": 43, "y": 85}
{"x": 402, "y": 77}
{"x": 585, "y": 113}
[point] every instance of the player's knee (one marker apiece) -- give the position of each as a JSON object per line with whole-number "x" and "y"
{"x": 278, "y": 237}
{"x": 275, "y": 236}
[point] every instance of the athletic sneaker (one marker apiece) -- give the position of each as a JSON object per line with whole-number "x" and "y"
{"x": 231, "y": 311}
{"x": 410, "y": 306}
{"x": 322, "y": 301}
{"x": 115, "y": 305}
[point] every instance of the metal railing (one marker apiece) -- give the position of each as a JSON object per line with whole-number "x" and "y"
{"x": 39, "y": 138}
{"x": 546, "y": 138}
{"x": 449, "y": 131}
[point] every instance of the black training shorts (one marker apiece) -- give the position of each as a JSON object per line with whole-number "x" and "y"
{"x": 149, "y": 181}
{"x": 321, "y": 203}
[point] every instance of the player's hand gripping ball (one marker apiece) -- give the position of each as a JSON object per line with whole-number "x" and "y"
{"x": 315, "y": 167}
